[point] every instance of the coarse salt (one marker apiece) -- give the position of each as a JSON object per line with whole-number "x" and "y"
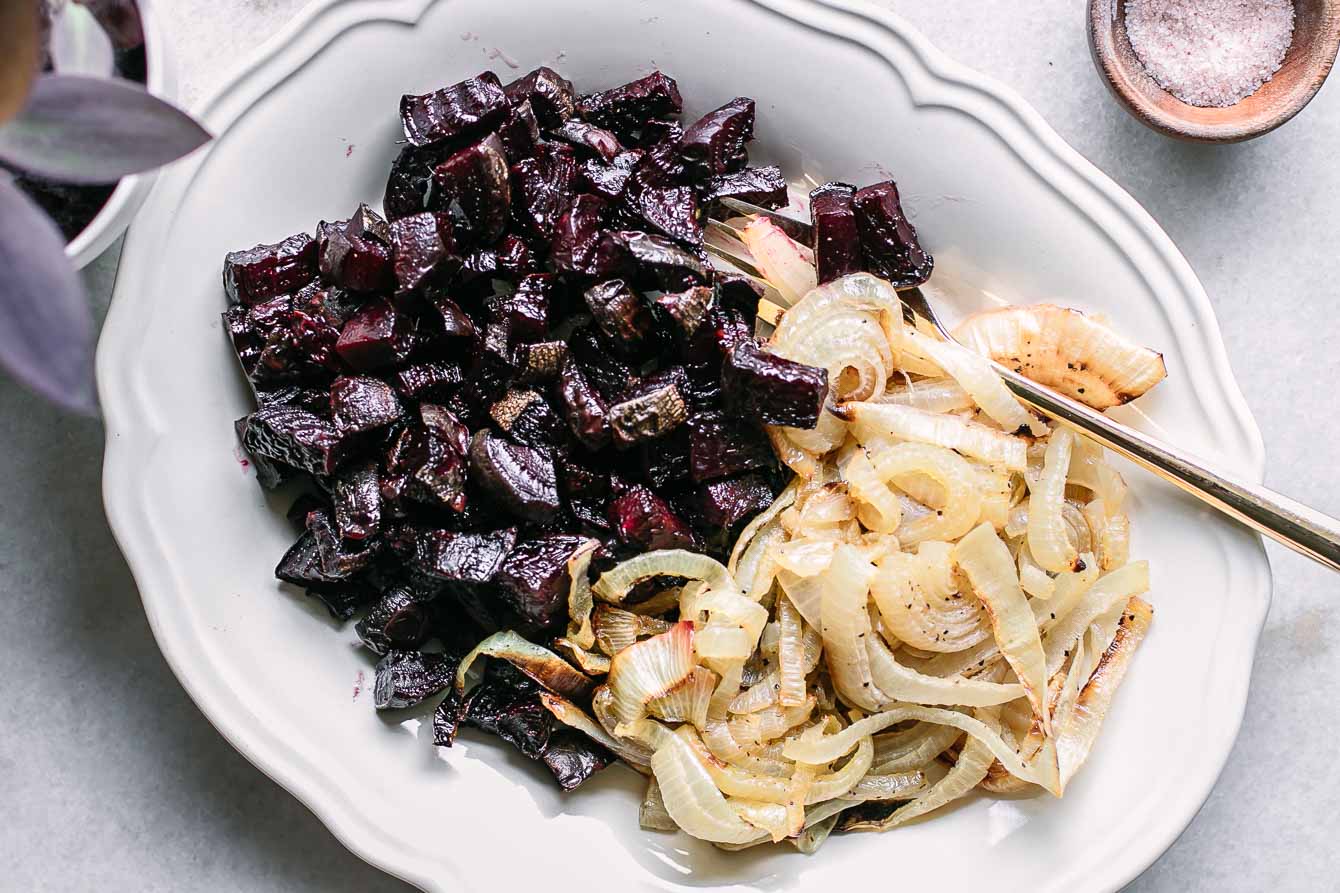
{"x": 1210, "y": 52}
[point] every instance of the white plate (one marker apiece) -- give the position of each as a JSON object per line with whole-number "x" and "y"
{"x": 308, "y": 128}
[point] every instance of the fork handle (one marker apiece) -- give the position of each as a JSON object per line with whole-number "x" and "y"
{"x": 1303, "y": 529}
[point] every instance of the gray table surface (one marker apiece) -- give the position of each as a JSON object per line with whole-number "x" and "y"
{"x": 111, "y": 779}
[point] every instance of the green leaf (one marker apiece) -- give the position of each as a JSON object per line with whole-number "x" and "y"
{"x": 95, "y": 130}
{"x": 46, "y": 330}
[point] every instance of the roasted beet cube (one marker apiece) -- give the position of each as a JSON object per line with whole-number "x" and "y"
{"x": 443, "y": 424}
{"x": 334, "y": 304}
{"x": 762, "y": 186}
{"x": 572, "y": 757}
{"x": 427, "y": 381}
{"x": 621, "y": 314}
{"x": 722, "y": 445}
{"x": 521, "y": 479}
{"x": 662, "y": 260}
{"x": 672, "y": 210}
{"x": 527, "y": 418}
{"x": 375, "y": 337}
{"x": 456, "y": 323}
{"x": 771, "y": 390}
{"x": 408, "y": 183}
{"x": 609, "y": 180}
{"x": 471, "y": 106}
{"x": 463, "y": 558}
{"x": 514, "y": 257}
{"x": 647, "y": 416}
{"x": 535, "y": 581}
{"x": 685, "y": 310}
{"x": 441, "y": 477}
{"x": 423, "y": 247}
{"x": 358, "y": 503}
{"x": 474, "y": 183}
{"x": 362, "y": 403}
{"x": 714, "y": 144}
{"x": 340, "y": 559}
{"x": 580, "y": 244}
{"x": 627, "y": 108}
{"x": 264, "y": 271}
{"x": 539, "y": 360}
{"x": 399, "y": 620}
{"x": 549, "y": 93}
{"x": 507, "y": 704}
{"x": 311, "y": 399}
{"x": 665, "y": 462}
{"x": 295, "y": 437}
{"x": 837, "y": 244}
{"x": 584, "y": 409}
{"x": 407, "y": 678}
{"x": 702, "y": 387}
{"x": 578, "y": 479}
{"x": 301, "y": 566}
{"x": 738, "y": 293}
{"x": 725, "y": 503}
{"x": 269, "y": 473}
{"x": 519, "y": 133}
{"x": 356, "y": 253}
{"x": 888, "y": 239}
{"x": 610, "y": 375}
{"x": 527, "y": 311}
{"x": 641, "y": 518}
{"x": 587, "y": 136}
{"x": 542, "y": 186}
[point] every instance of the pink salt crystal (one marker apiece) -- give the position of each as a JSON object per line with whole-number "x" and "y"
{"x": 1210, "y": 52}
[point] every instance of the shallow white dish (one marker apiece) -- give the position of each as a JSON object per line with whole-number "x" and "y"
{"x": 307, "y": 129}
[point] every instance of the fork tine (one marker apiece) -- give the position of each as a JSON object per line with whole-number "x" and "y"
{"x": 731, "y": 257}
{"x": 915, "y": 303}
{"x": 798, "y": 229}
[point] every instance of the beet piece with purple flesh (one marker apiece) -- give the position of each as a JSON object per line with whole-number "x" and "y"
{"x": 470, "y": 106}
{"x": 685, "y": 311}
{"x": 550, "y": 94}
{"x": 580, "y": 244}
{"x": 672, "y": 210}
{"x": 661, "y": 259}
{"x": 621, "y": 314}
{"x": 665, "y": 462}
{"x": 362, "y": 403}
{"x": 609, "y": 180}
{"x": 735, "y": 292}
{"x": 584, "y": 409}
{"x": 408, "y": 678}
{"x": 304, "y": 347}
{"x": 356, "y": 253}
{"x": 269, "y": 473}
{"x": 456, "y": 323}
{"x": 647, "y": 416}
{"x": 762, "y": 186}
{"x": 714, "y": 144}
{"x": 301, "y": 566}
{"x": 340, "y": 560}
{"x": 427, "y": 381}
{"x": 721, "y": 445}
{"x": 643, "y": 519}
{"x": 725, "y": 503}
{"x": 837, "y": 243}
{"x": 611, "y": 376}
{"x": 572, "y": 757}
{"x": 519, "y": 133}
{"x": 433, "y": 464}
{"x": 423, "y": 246}
{"x": 474, "y": 184}
{"x": 542, "y": 187}
{"x": 702, "y": 387}
{"x": 514, "y": 257}
{"x": 493, "y": 368}
{"x": 295, "y": 437}
{"x": 471, "y": 559}
{"x": 888, "y": 240}
{"x": 334, "y": 304}
{"x": 358, "y": 503}
{"x": 535, "y": 581}
{"x": 771, "y": 390}
{"x": 399, "y": 621}
{"x": 539, "y": 361}
{"x": 409, "y": 181}
{"x": 528, "y": 310}
{"x": 443, "y": 424}
{"x": 628, "y": 107}
{"x": 521, "y": 479}
{"x": 507, "y": 704}
{"x": 374, "y": 338}
{"x": 590, "y": 137}
{"x": 447, "y": 718}
{"x": 527, "y": 418}
{"x": 264, "y": 271}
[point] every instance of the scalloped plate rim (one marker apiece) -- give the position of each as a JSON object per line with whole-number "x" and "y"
{"x": 129, "y": 414}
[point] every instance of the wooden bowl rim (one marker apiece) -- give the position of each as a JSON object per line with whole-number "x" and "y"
{"x": 1122, "y": 82}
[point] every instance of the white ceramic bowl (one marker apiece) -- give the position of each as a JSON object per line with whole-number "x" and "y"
{"x": 130, "y": 192}
{"x": 307, "y": 128}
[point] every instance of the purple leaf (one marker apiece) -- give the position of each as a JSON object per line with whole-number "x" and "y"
{"x": 46, "y": 332}
{"x": 95, "y": 130}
